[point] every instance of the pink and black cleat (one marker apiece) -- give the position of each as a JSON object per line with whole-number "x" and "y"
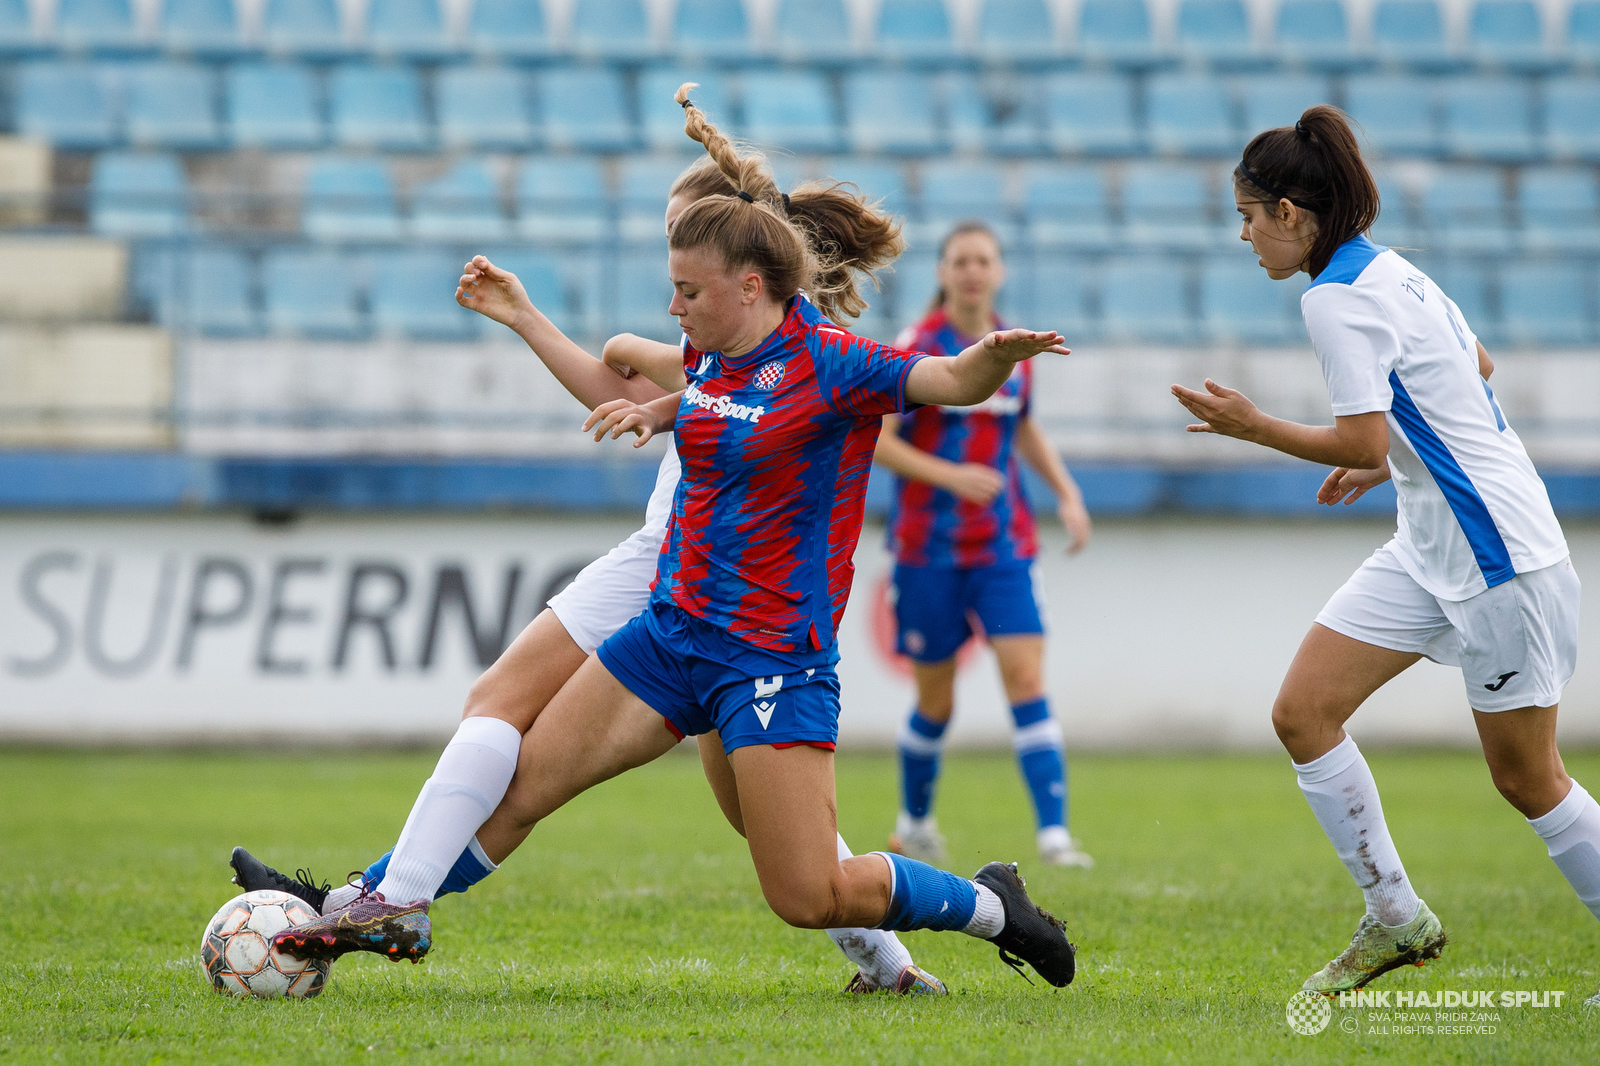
{"x": 367, "y": 923}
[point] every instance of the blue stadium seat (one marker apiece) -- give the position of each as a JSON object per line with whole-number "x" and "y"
{"x": 413, "y": 295}
{"x": 791, "y": 109}
{"x": 815, "y": 30}
{"x": 705, "y": 29}
{"x": 643, "y": 182}
{"x": 585, "y": 109}
{"x": 1055, "y": 295}
{"x": 1396, "y": 226}
{"x": 508, "y": 29}
{"x": 138, "y": 194}
{"x": 955, "y": 191}
{"x": 305, "y": 28}
{"x": 1508, "y": 33}
{"x": 1239, "y": 304}
{"x": 1191, "y": 115}
{"x": 461, "y": 205}
{"x": 642, "y": 295}
{"x": 1583, "y": 31}
{"x": 547, "y": 289}
{"x": 1572, "y": 118}
{"x": 611, "y": 29}
{"x": 206, "y": 28}
{"x": 311, "y": 293}
{"x": 1411, "y": 33}
{"x": 1273, "y": 100}
{"x": 663, "y": 118}
{"x": 1146, "y": 299}
{"x": 376, "y": 106}
{"x": 997, "y": 114}
{"x": 1465, "y": 211}
{"x": 1067, "y": 205}
{"x": 1395, "y": 112}
{"x": 891, "y": 111}
{"x": 1116, "y": 31}
{"x": 272, "y": 105}
{"x": 66, "y": 103}
{"x": 914, "y": 29}
{"x": 104, "y": 26}
{"x": 483, "y": 106}
{"x": 1012, "y": 30}
{"x": 208, "y": 289}
{"x": 1090, "y": 113}
{"x": 17, "y": 36}
{"x": 1165, "y": 205}
{"x": 407, "y": 29}
{"x": 1316, "y": 33}
{"x": 1546, "y": 303}
{"x": 351, "y": 200}
{"x": 1215, "y": 31}
{"x": 172, "y": 105}
{"x": 1489, "y": 118}
{"x": 561, "y": 198}
{"x": 1559, "y": 208}
{"x": 1470, "y": 287}
{"x": 912, "y": 284}
{"x": 876, "y": 180}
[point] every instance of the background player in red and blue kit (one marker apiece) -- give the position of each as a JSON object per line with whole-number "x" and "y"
{"x": 963, "y": 536}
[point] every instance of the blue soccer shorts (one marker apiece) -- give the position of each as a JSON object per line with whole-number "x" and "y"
{"x": 935, "y": 607}
{"x": 699, "y": 678}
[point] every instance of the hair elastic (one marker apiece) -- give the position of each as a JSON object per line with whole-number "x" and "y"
{"x": 786, "y": 208}
{"x": 687, "y": 103}
{"x": 746, "y": 197}
{"x": 1301, "y": 131}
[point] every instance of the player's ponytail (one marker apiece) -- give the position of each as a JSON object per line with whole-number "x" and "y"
{"x": 1315, "y": 164}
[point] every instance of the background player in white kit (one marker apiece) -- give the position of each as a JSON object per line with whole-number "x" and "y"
{"x": 1477, "y": 574}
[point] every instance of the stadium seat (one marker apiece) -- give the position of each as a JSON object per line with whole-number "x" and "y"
{"x": 102, "y": 26}
{"x": 1165, "y": 205}
{"x": 993, "y": 114}
{"x": 483, "y": 106}
{"x": 1583, "y": 31}
{"x": 1090, "y": 114}
{"x": 272, "y": 105}
{"x": 1572, "y": 118}
{"x": 642, "y": 295}
{"x": 1315, "y": 33}
{"x": 611, "y": 29}
{"x": 17, "y": 36}
{"x": 205, "y": 28}
{"x": 171, "y": 105}
{"x": 1395, "y": 112}
{"x": 65, "y": 103}
{"x": 376, "y": 106}
{"x": 1190, "y": 115}
{"x": 1470, "y": 288}
{"x": 1239, "y": 304}
{"x": 876, "y": 180}
{"x": 306, "y": 28}
{"x": 1116, "y": 31}
{"x": 1411, "y": 33}
{"x": 1146, "y": 299}
{"x": 508, "y": 29}
{"x": 413, "y": 295}
{"x": 663, "y": 118}
{"x": 707, "y": 29}
{"x": 1489, "y": 118}
{"x": 138, "y": 194}
{"x": 891, "y": 111}
{"x": 1465, "y": 211}
{"x": 311, "y": 293}
{"x": 461, "y": 205}
{"x": 912, "y": 285}
{"x": 1396, "y": 226}
{"x": 1546, "y": 303}
{"x": 407, "y": 29}
{"x": 813, "y": 30}
{"x": 206, "y": 289}
{"x": 642, "y": 187}
{"x": 1067, "y": 206}
{"x": 585, "y": 109}
{"x": 1054, "y": 294}
{"x": 1273, "y": 100}
{"x": 547, "y": 289}
{"x": 1508, "y": 33}
{"x": 914, "y": 29}
{"x": 789, "y": 109}
{"x": 1216, "y": 32}
{"x": 561, "y": 199}
{"x": 955, "y": 191}
{"x": 351, "y": 200}
{"x": 1559, "y": 208}
{"x": 1013, "y": 30}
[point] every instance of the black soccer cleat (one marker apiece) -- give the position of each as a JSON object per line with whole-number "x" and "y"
{"x": 1031, "y": 934}
{"x": 253, "y": 875}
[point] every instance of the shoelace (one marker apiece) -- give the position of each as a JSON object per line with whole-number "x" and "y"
{"x": 309, "y": 879}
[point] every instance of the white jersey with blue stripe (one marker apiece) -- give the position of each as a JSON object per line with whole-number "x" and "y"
{"x": 1473, "y": 512}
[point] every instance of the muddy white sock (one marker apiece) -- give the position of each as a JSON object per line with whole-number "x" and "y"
{"x": 1571, "y": 833}
{"x": 1344, "y": 797}
{"x": 877, "y": 953}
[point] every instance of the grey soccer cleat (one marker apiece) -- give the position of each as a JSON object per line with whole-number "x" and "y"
{"x": 1376, "y": 949}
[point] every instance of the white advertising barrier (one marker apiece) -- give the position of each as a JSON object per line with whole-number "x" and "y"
{"x": 1169, "y": 633}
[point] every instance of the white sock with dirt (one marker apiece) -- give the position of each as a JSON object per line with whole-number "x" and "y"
{"x": 1571, "y": 833}
{"x": 467, "y": 784}
{"x": 877, "y": 953}
{"x": 1344, "y": 797}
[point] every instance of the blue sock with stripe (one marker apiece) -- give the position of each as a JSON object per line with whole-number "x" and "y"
{"x": 471, "y": 867}
{"x": 1043, "y": 760}
{"x": 921, "y": 743}
{"x": 925, "y": 897}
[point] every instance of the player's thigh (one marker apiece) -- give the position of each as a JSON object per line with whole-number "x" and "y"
{"x": 1021, "y": 661}
{"x": 936, "y": 688}
{"x": 719, "y": 775}
{"x": 1520, "y": 747}
{"x": 1332, "y": 675}
{"x": 518, "y": 686}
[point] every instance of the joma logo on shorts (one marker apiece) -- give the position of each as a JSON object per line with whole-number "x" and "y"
{"x": 722, "y": 406}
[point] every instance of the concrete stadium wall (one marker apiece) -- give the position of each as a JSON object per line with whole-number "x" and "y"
{"x": 1166, "y": 633}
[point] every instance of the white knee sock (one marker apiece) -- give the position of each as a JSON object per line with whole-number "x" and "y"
{"x": 1571, "y": 832}
{"x": 467, "y": 784}
{"x": 1344, "y": 797}
{"x": 878, "y": 953}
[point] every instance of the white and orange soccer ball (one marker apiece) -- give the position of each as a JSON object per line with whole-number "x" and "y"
{"x": 236, "y": 949}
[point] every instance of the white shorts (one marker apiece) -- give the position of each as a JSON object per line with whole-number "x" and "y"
{"x": 1516, "y": 644}
{"x": 608, "y": 592}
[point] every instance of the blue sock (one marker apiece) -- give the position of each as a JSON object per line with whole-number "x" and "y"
{"x": 921, "y": 743}
{"x": 925, "y": 897}
{"x": 1043, "y": 761}
{"x": 472, "y": 866}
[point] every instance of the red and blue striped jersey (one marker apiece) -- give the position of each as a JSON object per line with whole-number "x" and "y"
{"x": 930, "y": 526}
{"x": 776, "y": 447}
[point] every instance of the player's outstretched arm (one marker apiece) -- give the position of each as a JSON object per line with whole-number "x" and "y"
{"x": 1036, "y": 449}
{"x": 974, "y": 375}
{"x": 973, "y": 482}
{"x": 628, "y": 355}
{"x": 498, "y": 294}
{"x": 1359, "y": 442}
{"x": 644, "y": 420}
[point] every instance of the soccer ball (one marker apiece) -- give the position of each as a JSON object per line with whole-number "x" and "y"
{"x": 237, "y": 953}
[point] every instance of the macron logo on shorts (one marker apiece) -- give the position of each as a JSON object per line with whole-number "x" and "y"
{"x": 765, "y": 705}
{"x": 722, "y": 406}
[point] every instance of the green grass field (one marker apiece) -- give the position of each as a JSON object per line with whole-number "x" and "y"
{"x": 630, "y": 928}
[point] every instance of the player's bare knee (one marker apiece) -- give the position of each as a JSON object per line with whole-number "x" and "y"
{"x": 1532, "y": 793}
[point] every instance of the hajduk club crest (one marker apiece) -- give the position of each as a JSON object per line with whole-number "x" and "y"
{"x": 770, "y": 376}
